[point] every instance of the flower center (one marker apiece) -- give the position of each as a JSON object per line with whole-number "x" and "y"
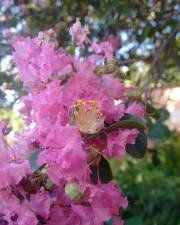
{"x": 86, "y": 116}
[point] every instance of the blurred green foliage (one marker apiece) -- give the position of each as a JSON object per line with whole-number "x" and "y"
{"x": 155, "y": 122}
{"x": 153, "y": 190}
{"x": 16, "y": 122}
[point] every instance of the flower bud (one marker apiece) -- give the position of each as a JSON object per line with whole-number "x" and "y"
{"x": 72, "y": 190}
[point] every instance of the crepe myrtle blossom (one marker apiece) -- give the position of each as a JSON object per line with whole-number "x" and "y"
{"x": 113, "y": 40}
{"x": 50, "y": 174}
{"x": 79, "y": 33}
{"x": 104, "y": 48}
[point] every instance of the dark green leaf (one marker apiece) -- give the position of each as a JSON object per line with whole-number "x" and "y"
{"x": 164, "y": 114}
{"x": 134, "y": 221}
{"x": 172, "y": 22}
{"x": 138, "y": 150}
{"x": 155, "y": 159}
{"x": 147, "y": 32}
{"x": 159, "y": 131}
{"x": 128, "y": 121}
{"x": 152, "y": 111}
{"x": 105, "y": 173}
{"x": 115, "y": 5}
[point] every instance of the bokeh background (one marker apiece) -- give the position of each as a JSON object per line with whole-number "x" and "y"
{"x": 146, "y": 36}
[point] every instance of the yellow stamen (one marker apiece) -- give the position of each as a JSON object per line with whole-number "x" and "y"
{"x": 86, "y": 116}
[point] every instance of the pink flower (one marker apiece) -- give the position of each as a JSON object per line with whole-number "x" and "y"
{"x": 104, "y": 48}
{"x": 61, "y": 136}
{"x": 66, "y": 216}
{"x": 25, "y": 50}
{"x": 116, "y": 145}
{"x": 104, "y": 201}
{"x": 47, "y": 103}
{"x": 79, "y": 33}
{"x": 12, "y": 168}
{"x": 6, "y": 32}
{"x": 114, "y": 87}
{"x": 40, "y": 204}
{"x": 48, "y": 109}
{"x": 23, "y": 145}
{"x": 26, "y": 108}
{"x": 65, "y": 157}
{"x": 136, "y": 109}
{"x": 13, "y": 212}
{"x": 39, "y": 61}
{"x": 67, "y": 106}
{"x": 113, "y": 40}
{"x": 89, "y": 87}
{"x": 48, "y": 36}
{"x": 86, "y": 66}
{"x": 26, "y": 217}
{"x": 12, "y": 173}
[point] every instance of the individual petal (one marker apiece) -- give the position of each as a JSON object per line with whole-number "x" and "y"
{"x": 40, "y": 204}
{"x": 136, "y": 109}
{"x": 12, "y": 173}
{"x": 116, "y": 144}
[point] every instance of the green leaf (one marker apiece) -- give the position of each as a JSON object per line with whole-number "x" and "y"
{"x": 139, "y": 149}
{"x": 172, "y": 22}
{"x": 134, "y": 221}
{"x": 128, "y": 121}
{"x": 164, "y": 114}
{"x": 152, "y": 111}
{"x": 147, "y": 32}
{"x": 159, "y": 131}
{"x": 33, "y": 160}
{"x": 114, "y": 5}
{"x": 105, "y": 173}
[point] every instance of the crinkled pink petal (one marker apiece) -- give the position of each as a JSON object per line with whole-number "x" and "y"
{"x": 40, "y": 204}
{"x": 105, "y": 201}
{"x": 39, "y": 61}
{"x": 136, "y": 109}
{"x": 116, "y": 145}
{"x": 66, "y": 158}
{"x": 103, "y": 48}
{"x": 114, "y": 87}
{"x": 79, "y": 33}
{"x": 12, "y": 173}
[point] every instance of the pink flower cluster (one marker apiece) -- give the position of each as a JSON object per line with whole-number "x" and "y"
{"x": 68, "y": 106}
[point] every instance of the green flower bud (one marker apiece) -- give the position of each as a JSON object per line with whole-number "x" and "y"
{"x": 72, "y": 190}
